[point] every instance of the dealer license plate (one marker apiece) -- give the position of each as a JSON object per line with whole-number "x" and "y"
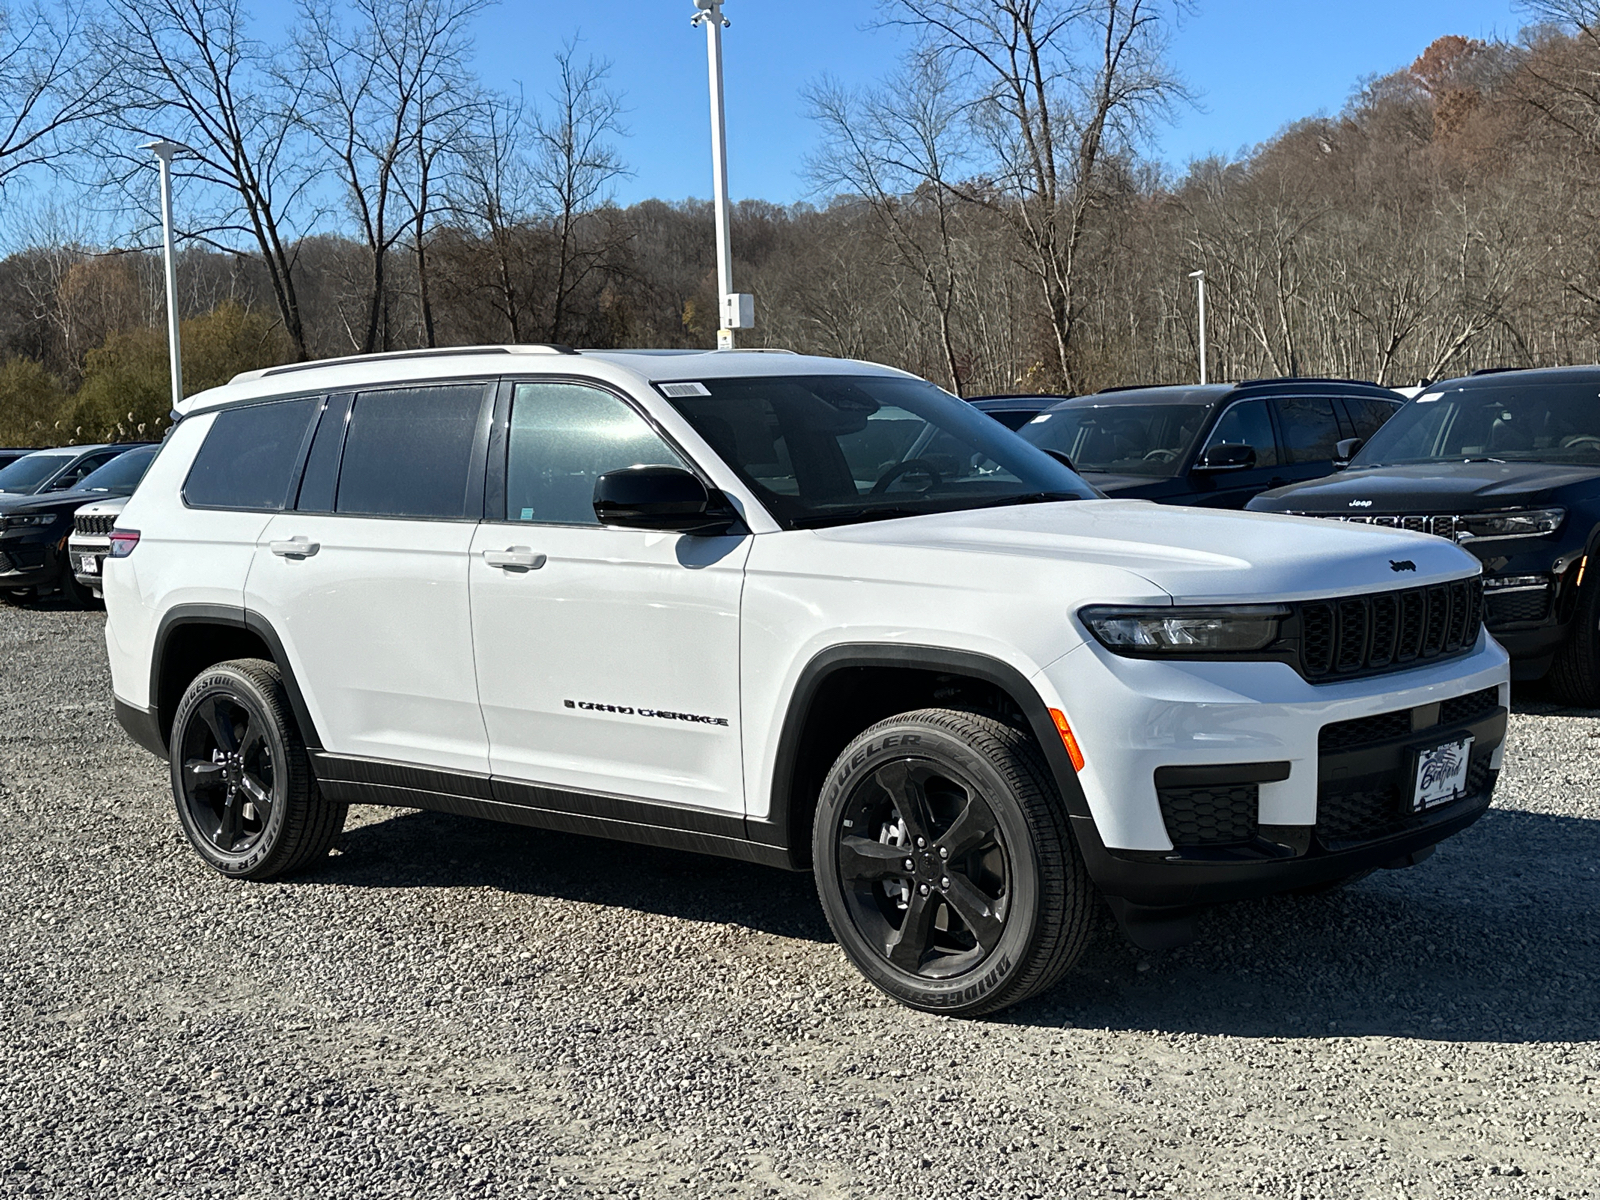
{"x": 1441, "y": 774}
{"x": 89, "y": 565}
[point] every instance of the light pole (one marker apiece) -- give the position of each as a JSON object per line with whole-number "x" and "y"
{"x": 1199, "y": 278}
{"x": 737, "y": 311}
{"x": 165, "y": 151}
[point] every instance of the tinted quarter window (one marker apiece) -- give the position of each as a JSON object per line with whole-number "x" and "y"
{"x": 1368, "y": 416}
{"x": 1248, "y": 424}
{"x": 1310, "y": 428}
{"x": 249, "y": 456}
{"x": 408, "y": 452}
{"x": 562, "y": 436}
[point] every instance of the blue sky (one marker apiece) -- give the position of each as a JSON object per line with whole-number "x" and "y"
{"x": 1254, "y": 64}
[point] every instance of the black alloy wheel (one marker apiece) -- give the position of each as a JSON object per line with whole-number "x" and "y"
{"x": 925, "y": 868}
{"x": 945, "y": 863}
{"x": 241, "y": 779}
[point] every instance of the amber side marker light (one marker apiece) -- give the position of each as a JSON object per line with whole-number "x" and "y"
{"x": 1067, "y": 740}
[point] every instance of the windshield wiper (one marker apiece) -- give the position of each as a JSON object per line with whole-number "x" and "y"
{"x": 1483, "y": 459}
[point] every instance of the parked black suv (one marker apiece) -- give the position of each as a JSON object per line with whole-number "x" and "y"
{"x": 1507, "y": 463}
{"x": 34, "y": 528}
{"x": 1215, "y": 445}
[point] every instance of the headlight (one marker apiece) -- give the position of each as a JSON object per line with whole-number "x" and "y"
{"x": 24, "y": 522}
{"x": 1180, "y": 632}
{"x": 1523, "y": 522}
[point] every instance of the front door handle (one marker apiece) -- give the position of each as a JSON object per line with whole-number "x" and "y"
{"x": 296, "y": 547}
{"x": 514, "y": 558}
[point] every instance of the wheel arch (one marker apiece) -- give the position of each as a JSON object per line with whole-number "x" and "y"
{"x": 874, "y": 681}
{"x": 192, "y": 637}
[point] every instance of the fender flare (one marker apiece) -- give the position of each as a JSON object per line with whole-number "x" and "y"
{"x": 775, "y": 829}
{"x": 186, "y": 615}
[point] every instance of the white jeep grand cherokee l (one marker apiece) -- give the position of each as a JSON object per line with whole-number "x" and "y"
{"x": 811, "y": 613}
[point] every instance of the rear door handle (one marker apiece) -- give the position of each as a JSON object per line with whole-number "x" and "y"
{"x": 297, "y": 547}
{"x": 514, "y": 558}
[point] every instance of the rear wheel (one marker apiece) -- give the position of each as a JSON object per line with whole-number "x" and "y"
{"x": 946, "y": 866}
{"x": 241, "y": 779}
{"x": 1575, "y": 674}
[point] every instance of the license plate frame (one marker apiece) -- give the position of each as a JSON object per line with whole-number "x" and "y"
{"x": 88, "y": 564}
{"x": 1439, "y": 773}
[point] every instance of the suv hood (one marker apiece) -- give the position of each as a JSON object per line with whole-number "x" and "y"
{"x": 1193, "y": 554}
{"x": 51, "y": 501}
{"x": 1426, "y": 488}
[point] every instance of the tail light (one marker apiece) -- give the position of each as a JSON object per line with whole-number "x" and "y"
{"x": 123, "y": 541}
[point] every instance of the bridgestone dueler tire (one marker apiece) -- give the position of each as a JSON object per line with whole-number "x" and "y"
{"x": 302, "y": 825}
{"x": 1575, "y": 674}
{"x": 1049, "y": 900}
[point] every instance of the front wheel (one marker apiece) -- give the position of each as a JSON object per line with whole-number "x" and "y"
{"x": 946, "y": 866}
{"x": 241, "y": 778}
{"x": 1575, "y": 674}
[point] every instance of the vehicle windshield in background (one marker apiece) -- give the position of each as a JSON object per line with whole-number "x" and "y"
{"x": 1121, "y": 439}
{"x": 29, "y": 472}
{"x": 829, "y": 449}
{"x": 121, "y": 474}
{"x": 1527, "y": 422}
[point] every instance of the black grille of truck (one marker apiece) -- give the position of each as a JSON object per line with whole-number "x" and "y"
{"x": 1359, "y": 635}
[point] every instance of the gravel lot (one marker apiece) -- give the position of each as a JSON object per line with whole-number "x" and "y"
{"x": 455, "y": 1008}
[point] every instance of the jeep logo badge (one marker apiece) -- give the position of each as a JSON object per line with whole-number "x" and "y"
{"x": 1361, "y": 504}
{"x": 1404, "y": 564}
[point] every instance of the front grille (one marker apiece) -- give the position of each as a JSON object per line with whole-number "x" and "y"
{"x": 1341, "y": 735}
{"x": 1445, "y": 525}
{"x": 1470, "y": 707}
{"x": 22, "y": 560}
{"x": 1510, "y": 606}
{"x": 1363, "y": 810}
{"x": 1388, "y": 630}
{"x": 1214, "y": 815}
{"x": 93, "y": 525}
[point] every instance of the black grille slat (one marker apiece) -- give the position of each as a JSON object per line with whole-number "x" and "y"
{"x": 1438, "y": 619}
{"x": 1316, "y": 639}
{"x": 1413, "y": 623}
{"x": 1385, "y": 622}
{"x": 1459, "y": 611}
{"x": 1352, "y": 635}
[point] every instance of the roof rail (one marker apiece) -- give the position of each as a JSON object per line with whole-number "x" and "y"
{"x": 1494, "y": 370}
{"x": 1308, "y": 379}
{"x": 1138, "y": 387}
{"x": 397, "y": 355}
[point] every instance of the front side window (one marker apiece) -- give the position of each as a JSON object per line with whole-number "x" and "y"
{"x": 1121, "y": 439}
{"x": 1530, "y": 422}
{"x": 1310, "y": 428}
{"x": 831, "y": 449}
{"x": 1247, "y": 424}
{"x": 248, "y": 458}
{"x": 408, "y": 452}
{"x": 562, "y": 437}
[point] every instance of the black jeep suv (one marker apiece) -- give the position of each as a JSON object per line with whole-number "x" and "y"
{"x": 1507, "y": 463}
{"x": 1215, "y": 445}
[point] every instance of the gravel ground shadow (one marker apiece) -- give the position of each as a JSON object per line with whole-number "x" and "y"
{"x": 421, "y": 849}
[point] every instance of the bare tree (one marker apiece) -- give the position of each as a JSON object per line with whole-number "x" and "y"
{"x": 48, "y": 83}
{"x": 1063, "y": 88}
{"x": 381, "y": 84}
{"x": 574, "y": 163}
{"x": 189, "y": 70}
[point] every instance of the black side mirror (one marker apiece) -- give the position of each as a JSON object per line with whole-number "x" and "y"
{"x": 1227, "y": 456}
{"x": 666, "y": 499}
{"x": 1344, "y": 450}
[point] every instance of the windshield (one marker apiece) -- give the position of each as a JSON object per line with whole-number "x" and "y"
{"x": 27, "y": 473}
{"x": 828, "y": 449}
{"x": 1121, "y": 439}
{"x": 121, "y": 474}
{"x": 1527, "y": 422}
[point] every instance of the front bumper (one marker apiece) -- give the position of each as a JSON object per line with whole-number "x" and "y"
{"x": 81, "y": 553}
{"x": 1252, "y": 742}
{"x": 29, "y": 562}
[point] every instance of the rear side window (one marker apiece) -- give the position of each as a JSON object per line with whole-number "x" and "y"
{"x": 249, "y": 457}
{"x": 1310, "y": 428}
{"x": 1368, "y": 416}
{"x": 408, "y": 452}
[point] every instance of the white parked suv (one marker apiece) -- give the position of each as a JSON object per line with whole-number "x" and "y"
{"x": 811, "y": 613}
